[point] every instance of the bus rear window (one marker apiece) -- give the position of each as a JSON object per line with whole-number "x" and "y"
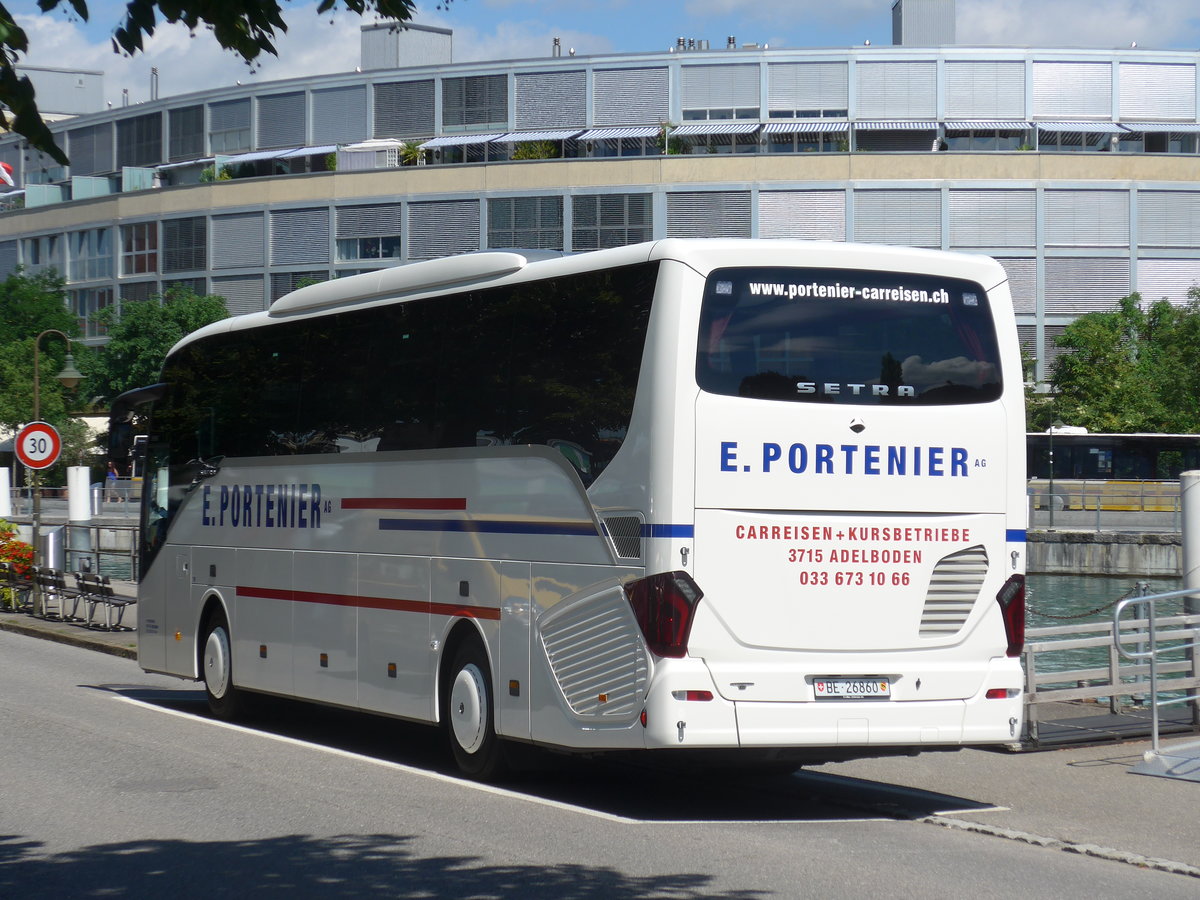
{"x": 846, "y": 336}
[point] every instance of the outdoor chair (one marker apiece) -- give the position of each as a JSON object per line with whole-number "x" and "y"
{"x": 18, "y": 588}
{"x": 96, "y": 591}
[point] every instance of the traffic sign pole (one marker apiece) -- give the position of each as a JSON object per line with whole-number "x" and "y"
{"x": 38, "y": 447}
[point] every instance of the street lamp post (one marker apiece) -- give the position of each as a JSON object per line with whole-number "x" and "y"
{"x": 70, "y": 377}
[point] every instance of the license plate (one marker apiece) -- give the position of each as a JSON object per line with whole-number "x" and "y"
{"x": 852, "y": 688}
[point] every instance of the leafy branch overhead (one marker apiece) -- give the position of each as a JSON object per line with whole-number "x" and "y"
{"x": 245, "y": 27}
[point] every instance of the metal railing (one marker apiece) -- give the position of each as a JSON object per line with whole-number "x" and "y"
{"x": 1105, "y": 505}
{"x": 1154, "y": 639}
{"x": 1083, "y": 661}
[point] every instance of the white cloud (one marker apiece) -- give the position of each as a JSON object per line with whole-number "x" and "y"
{"x": 1078, "y": 23}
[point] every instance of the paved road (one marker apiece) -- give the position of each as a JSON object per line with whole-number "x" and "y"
{"x": 115, "y": 784}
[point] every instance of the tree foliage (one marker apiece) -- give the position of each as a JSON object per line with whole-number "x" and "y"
{"x": 245, "y": 27}
{"x": 138, "y": 341}
{"x": 1131, "y": 369}
{"x": 29, "y": 306}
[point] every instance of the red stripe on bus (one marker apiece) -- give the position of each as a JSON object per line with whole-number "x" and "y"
{"x": 390, "y": 603}
{"x": 458, "y": 503}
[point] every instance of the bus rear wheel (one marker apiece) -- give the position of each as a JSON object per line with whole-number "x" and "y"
{"x": 216, "y": 661}
{"x": 468, "y": 714}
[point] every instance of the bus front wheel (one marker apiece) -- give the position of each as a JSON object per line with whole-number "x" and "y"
{"x": 217, "y": 669}
{"x": 468, "y": 714}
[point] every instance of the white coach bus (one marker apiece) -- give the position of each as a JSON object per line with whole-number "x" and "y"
{"x": 760, "y": 496}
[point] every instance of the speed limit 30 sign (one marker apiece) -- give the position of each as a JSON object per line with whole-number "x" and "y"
{"x": 38, "y": 445}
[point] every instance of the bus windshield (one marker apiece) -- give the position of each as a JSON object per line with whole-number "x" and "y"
{"x": 846, "y": 336}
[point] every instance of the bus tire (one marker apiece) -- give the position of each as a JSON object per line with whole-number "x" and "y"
{"x": 468, "y": 713}
{"x": 216, "y": 662}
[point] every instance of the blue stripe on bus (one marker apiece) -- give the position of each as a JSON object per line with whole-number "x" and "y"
{"x": 464, "y": 526}
{"x": 1015, "y": 535}
{"x": 669, "y": 531}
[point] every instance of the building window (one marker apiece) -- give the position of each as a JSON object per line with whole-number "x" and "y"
{"x": 809, "y": 142}
{"x": 985, "y": 139}
{"x": 719, "y": 143}
{"x": 186, "y": 133}
{"x": 87, "y": 302}
{"x": 286, "y": 282}
{"x": 139, "y": 248}
{"x": 368, "y": 248}
{"x": 717, "y": 115}
{"x": 479, "y": 101}
{"x": 229, "y": 126}
{"x": 1074, "y": 141}
{"x": 809, "y": 113}
{"x": 139, "y": 141}
{"x": 532, "y": 222}
{"x": 184, "y": 245}
{"x": 42, "y": 252}
{"x": 91, "y": 254}
{"x": 610, "y": 220}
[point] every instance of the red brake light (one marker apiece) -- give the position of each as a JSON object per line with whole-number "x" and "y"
{"x": 1011, "y": 598}
{"x": 663, "y": 605}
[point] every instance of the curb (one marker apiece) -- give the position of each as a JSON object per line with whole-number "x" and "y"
{"x": 74, "y": 640}
{"x": 1109, "y": 853}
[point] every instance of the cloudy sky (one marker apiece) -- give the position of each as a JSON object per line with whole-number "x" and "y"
{"x": 506, "y": 29}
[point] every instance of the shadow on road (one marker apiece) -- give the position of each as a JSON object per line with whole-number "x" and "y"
{"x": 646, "y": 787}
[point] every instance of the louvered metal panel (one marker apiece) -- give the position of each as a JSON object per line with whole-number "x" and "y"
{"x": 184, "y": 244}
{"x": 709, "y": 214}
{"x": 372, "y": 220}
{"x": 1169, "y": 279}
{"x": 611, "y": 220}
{"x": 1022, "y": 282}
{"x": 720, "y": 87}
{"x": 630, "y": 97}
{"x": 1053, "y": 351}
{"x": 992, "y": 218}
{"x": 91, "y": 149}
{"x": 1075, "y": 286}
{"x": 533, "y": 222}
{"x": 896, "y": 90}
{"x": 474, "y": 101}
{"x": 281, "y": 121}
{"x": 898, "y": 217}
{"x": 285, "y": 282}
{"x": 806, "y": 215}
{"x": 404, "y": 109}
{"x": 137, "y": 291}
{"x": 237, "y": 240}
{"x": 990, "y": 89}
{"x": 792, "y": 86}
{"x": 8, "y": 257}
{"x": 1087, "y": 218}
{"x": 953, "y": 591}
{"x": 243, "y": 293}
{"x": 1169, "y": 219}
{"x": 339, "y": 115}
{"x": 1072, "y": 89}
{"x": 551, "y": 99}
{"x": 442, "y": 228}
{"x": 1157, "y": 91}
{"x": 229, "y": 115}
{"x": 597, "y": 655}
{"x": 299, "y": 236}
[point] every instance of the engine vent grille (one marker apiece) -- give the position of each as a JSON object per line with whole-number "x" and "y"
{"x": 597, "y": 656}
{"x": 626, "y": 534}
{"x": 953, "y": 589}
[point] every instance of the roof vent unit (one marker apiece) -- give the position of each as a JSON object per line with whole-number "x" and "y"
{"x": 731, "y": 43}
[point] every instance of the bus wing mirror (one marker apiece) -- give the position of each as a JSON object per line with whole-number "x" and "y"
{"x": 120, "y": 419}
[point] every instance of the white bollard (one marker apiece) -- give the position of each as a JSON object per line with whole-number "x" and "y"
{"x": 79, "y": 494}
{"x": 79, "y": 512}
{"x": 5, "y": 494}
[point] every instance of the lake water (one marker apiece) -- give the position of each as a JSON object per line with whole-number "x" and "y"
{"x": 1068, "y": 599}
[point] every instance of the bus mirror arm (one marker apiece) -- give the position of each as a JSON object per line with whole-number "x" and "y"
{"x": 207, "y": 468}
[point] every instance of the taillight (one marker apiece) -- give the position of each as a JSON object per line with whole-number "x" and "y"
{"x": 663, "y": 605}
{"x": 1011, "y": 598}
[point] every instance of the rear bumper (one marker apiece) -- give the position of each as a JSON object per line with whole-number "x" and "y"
{"x": 675, "y": 722}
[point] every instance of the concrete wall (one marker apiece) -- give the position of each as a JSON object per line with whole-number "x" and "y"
{"x": 1103, "y": 553}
